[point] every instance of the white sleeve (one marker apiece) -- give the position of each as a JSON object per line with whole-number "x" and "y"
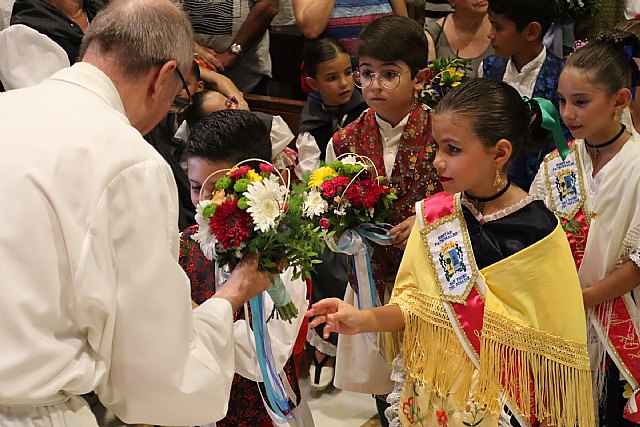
{"x": 167, "y": 364}
{"x": 283, "y": 334}
{"x": 27, "y": 57}
{"x": 480, "y": 71}
{"x": 281, "y": 135}
{"x": 330, "y": 154}
{"x": 308, "y": 154}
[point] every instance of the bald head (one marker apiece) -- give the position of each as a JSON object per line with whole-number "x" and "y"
{"x": 137, "y": 35}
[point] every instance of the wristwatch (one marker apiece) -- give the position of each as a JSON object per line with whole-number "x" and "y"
{"x": 236, "y": 49}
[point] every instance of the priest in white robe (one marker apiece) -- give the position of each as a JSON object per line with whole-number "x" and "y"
{"x": 91, "y": 293}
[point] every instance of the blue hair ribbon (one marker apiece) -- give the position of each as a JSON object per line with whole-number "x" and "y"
{"x": 552, "y": 122}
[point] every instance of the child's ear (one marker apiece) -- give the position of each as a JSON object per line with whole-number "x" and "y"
{"x": 533, "y": 31}
{"x": 421, "y": 78}
{"x": 623, "y": 98}
{"x": 311, "y": 82}
{"x": 502, "y": 153}
{"x": 200, "y": 86}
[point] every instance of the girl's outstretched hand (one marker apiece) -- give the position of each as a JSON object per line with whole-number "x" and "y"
{"x": 337, "y": 315}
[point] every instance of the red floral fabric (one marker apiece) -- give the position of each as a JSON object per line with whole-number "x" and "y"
{"x": 245, "y": 405}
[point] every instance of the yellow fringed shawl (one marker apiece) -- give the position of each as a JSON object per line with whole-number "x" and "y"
{"x": 533, "y": 316}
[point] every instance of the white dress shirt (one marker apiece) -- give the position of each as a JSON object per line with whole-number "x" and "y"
{"x": 390, "y": 137}
{"x": 91, "y": 293}
{"x": 525, "y": 80}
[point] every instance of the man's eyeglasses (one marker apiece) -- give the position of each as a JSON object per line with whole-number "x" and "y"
{"x": 179, "y": 103}
{"x": 387, "y": 79}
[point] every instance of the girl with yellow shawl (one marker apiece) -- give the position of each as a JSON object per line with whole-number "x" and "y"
{"x": 487, "y": 297}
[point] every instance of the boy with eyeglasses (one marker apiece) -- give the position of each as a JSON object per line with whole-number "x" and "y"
{"x": 395, "y": 133}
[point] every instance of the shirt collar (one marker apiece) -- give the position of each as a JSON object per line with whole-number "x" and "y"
{"x": 93, "y": 79}
{"x": 385, "y": 127}
{"x": 530, "y": 66}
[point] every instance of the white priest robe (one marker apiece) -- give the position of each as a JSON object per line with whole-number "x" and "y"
{"x": 91, "y": 293}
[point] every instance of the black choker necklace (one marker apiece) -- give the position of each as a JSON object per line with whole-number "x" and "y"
{"x": 604, "y": 144}
{"x": 490, "y": 198}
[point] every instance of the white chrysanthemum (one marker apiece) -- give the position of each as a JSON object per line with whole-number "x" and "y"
{"x": 203, "y": 236}
{"x": 351, "y": 160}
{"x": 314, "y": 204}
{"x": 265, "y": 200}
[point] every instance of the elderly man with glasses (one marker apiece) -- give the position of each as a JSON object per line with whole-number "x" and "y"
{"x": 92, "y": 295}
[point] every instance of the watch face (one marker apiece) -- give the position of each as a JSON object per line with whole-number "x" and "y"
{"x": 236, "y": 48}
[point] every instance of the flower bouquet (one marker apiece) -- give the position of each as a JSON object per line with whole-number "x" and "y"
{"x": 445, "y": 74}
{"x": 253, "y": 211}
{"x": 348, "y": 199}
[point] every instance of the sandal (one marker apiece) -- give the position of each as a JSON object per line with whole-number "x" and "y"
{"x": 321, "y": 376}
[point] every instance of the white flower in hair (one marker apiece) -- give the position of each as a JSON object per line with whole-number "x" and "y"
{"x": 314, "y": 204}
{"x": 265, "y": 200}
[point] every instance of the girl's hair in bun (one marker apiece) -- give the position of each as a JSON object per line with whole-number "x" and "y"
{"x": 608, "y": 60}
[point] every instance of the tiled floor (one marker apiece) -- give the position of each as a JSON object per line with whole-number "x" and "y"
{"x": 338, "y": 408}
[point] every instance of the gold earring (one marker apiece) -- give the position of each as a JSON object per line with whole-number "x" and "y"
{"x": 498, "y": 182}
{"x": 616, "y": 115}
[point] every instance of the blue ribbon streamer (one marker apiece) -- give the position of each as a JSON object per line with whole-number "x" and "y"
{"x": 276, "y": 394}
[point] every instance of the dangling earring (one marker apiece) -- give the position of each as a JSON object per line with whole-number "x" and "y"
{"x": 498, "y": 182}
{"x": 616, "y": 115}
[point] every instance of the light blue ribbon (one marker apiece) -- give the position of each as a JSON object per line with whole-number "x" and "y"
{"x": 276, "y": 394}
{"x": 353, "y": 242}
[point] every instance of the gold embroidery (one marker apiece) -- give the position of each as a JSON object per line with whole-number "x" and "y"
{"x": 583, "y": 196}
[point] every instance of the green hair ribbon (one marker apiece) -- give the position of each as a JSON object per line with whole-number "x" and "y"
{"x": 551, "y": 121}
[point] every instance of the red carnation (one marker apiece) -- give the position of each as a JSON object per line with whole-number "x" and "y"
{"x": 330, "y": 186}
{"x": 230, "y": 225}
{"x": 324, "y": 223}
{"x": 365, "y": 193}
{"x": 265, "y": 168}
{"x": 240, "y": 172}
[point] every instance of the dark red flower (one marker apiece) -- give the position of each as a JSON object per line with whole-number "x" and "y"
{"x": 230, "y": 225}
{"x": 324, "y": 223}
{"x": 240, "y": 172}
{"x": 265, "y": 168}
{"x": 330, "y": 186}
{"x": 365, "y": 193}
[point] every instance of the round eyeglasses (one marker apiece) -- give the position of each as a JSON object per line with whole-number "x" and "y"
{"x": 387, "y": 79}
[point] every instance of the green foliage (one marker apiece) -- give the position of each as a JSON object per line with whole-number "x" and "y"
{"x": 445, "y": 74}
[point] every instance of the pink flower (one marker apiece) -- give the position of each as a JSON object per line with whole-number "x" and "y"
{"x": 324, "y": 223}
{"x": 239, "y": 172}
{"x": 331, "y": 186}
{"x": 265, "y": 168}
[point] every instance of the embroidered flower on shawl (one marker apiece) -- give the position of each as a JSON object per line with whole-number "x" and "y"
{"x": 231, "y": 224}
{"x": 407, "y": 410}
{"x": 364, "y": 193}
{"x": 443, "y": 417}
{"x": 314, "y": 204}
{"x": 265, "y": 199}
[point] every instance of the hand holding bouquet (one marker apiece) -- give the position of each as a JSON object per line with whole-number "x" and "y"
{"x": 252, "y": 211}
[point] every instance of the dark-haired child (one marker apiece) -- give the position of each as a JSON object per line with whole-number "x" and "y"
{"x": 395, "y": 133}
{"x": 596, "y": 193}
{"x": 332, "y": 105}
{"x": 219, "y": 142}
{"x": 487, "y": 297}
{"x": 521, "y": 60}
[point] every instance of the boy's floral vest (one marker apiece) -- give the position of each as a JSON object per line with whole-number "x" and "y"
{"x": 413, "y": 178}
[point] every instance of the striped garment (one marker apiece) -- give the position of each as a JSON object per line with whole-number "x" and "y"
{"x": 349, "y": 17}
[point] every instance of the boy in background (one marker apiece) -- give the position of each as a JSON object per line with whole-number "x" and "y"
{"x": 522, "y": 61}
